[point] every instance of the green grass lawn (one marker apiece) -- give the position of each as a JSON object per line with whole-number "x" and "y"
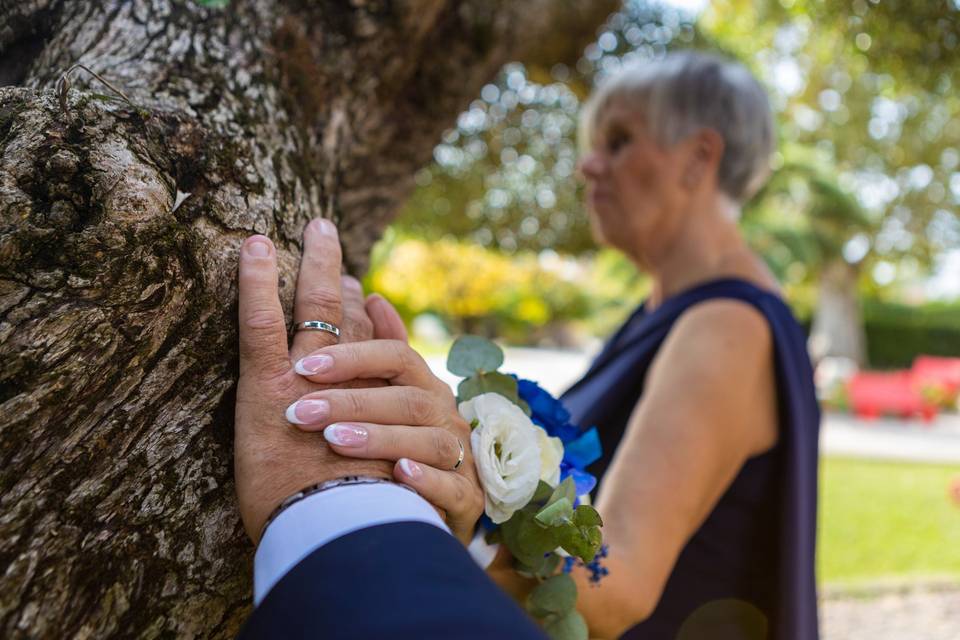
{"x": 884, "y": 520}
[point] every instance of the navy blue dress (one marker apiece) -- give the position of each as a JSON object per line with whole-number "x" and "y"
{"x": 748, "y": 572}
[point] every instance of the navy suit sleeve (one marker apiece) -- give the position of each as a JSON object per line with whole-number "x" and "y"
{"x": 406, "y": 580}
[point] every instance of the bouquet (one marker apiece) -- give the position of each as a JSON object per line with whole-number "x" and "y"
{"x": 531, "y": 463}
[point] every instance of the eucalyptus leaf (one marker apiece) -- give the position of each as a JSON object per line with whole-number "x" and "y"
{"x": 543, "y": 493}
{"x": 527, "y": 540}
{"x": 566, "y": 489}
{"x": 487, "y": 383}
{"x": 587, "y": 516}
{"x": 556, "y": 513}
{"x": 550, "y": 565}
{"x": 473, "y": 354}
{"x": 570, "y": 626}
{"x": 557, "y": 595}
{"x": 583, "y": 542}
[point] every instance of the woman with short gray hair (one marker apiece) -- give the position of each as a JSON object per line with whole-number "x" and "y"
{"x": 704, "y": 398}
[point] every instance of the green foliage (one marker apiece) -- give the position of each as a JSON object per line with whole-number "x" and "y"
{"x": 897, "y": 333}
{"x": 492, "y": 382}
{"x": 556, "y": 514}
{"x": 569, "y": 626}
{"x": 476, "y": 290}
{"x": 554, "y": 595}
{"x": 473, "y": 354}
{"x": 213, "y": 4}
{"x": 553, "y": 601}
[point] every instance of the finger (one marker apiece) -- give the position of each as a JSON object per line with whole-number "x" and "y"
{"x": 387, "y": 323}
{"x": 356, "y": 324}
{"x": 456, "y": 494}
{"x": 432, "y": 445}
{"x": 263, "y": 332}
{"x": 389, "y": 360}
{"x": 318, "y": 286}
{"x": 385, "y": 405}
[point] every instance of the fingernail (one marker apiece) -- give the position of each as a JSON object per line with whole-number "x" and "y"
{"x": 345, "y": 435}
{"x": 308, "y": 411}
{"x": 327, "y": 228}
{"x": 258, "y": 248}
{"x": 410, "y": 468}
{"x": 313, "y": 364}
{"x": 352, "y": 283}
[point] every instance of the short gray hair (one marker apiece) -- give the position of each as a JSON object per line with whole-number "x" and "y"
{"x": 690, "y": 90}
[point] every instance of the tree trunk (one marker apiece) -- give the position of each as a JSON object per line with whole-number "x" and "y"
{"x": 837, "y": 329}
{"x": 120, "y": 228}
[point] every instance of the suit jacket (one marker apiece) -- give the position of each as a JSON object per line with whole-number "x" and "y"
{"x": 398, "y": 581}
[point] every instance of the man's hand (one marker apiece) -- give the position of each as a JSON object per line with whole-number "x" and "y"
{"x": 272, "y": 458}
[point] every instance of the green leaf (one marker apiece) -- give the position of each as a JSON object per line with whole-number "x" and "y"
{"x": 527, "y": 540}
{"x": 566, "y": 489}
{"x": 570, "y": 626}
{"x": 556, "y": 513}
{"x": 557, "y": 595}
{"x": 583, "y": 542}
{"x": 473, "y": 354}
{"x": 550, "y": 565}
{"x": 542, "y": 494}
{"x": 486, "y": 383}
{"x": 213, "y": 4}
{"x": 587, "y": 516}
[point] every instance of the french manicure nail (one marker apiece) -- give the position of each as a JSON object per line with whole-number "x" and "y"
{"x": 346, "y": 435}
{"x": 410, "y": 468}
{"x": 308, "y": 411}
{"x": 313, "y": 364}
{"x": 258, "y": 248}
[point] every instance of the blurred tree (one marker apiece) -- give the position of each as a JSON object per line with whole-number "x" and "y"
{"x": 866, "y": 88}
{"x": 801, "y": 222}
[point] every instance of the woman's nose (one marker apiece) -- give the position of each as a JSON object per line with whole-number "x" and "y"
{"x": 590, "y": 166}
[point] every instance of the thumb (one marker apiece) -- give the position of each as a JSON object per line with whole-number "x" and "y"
{"x": 387, "y": 324}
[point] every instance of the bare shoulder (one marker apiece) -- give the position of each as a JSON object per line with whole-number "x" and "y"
{"x": 716, "y": 368}
{"x": 723, "y": 325}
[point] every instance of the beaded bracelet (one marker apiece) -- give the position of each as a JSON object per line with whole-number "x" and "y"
{"x": 323, "y": 486}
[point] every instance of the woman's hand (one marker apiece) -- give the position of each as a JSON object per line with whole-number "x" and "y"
{"x": 413, "y": 422}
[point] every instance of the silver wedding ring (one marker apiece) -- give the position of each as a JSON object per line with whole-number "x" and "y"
{"x": 460, "y": 458}
{"x": 318, "y": 325}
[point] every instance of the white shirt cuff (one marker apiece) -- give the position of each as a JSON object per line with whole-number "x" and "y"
{"x": 307, "y": 525}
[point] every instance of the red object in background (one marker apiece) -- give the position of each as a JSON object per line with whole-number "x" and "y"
{"x": 955, "y": 490}
{"x": 872, "y": 394}
{"x": 940, "y": 373}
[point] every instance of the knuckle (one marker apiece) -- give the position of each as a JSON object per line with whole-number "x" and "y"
{"x": 320, "y": 298}
{"x": 443, "y": 445}
{"x": 419, "y": 408}
{"x": 362, "y": 328}
{"x": 460, "y": 492}
{"x": 355, "y": 403}
{"x": 400, "y": 359}
{"x": 263, "y": 319}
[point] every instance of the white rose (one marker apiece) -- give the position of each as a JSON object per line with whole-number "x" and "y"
{"x": 506, "y": 450}
{"x": 551, "y": 453}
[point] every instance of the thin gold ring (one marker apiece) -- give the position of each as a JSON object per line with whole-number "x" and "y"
{"x": 460, "y": 458}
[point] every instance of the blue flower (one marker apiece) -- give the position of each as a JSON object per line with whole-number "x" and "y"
{"x": 580, "y": 448}
{"x": 547, "y": 411}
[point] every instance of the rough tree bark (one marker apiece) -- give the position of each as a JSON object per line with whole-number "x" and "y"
{"x": 117, "y": 329}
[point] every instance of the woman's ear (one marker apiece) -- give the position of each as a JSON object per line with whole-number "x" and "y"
{"x": 704, "y": 154}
